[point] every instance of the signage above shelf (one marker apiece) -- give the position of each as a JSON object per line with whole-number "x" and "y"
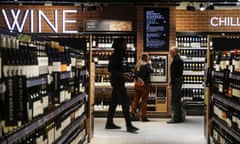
{"x": 107, "y": 25}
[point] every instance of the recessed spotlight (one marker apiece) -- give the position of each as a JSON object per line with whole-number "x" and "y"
{"x": 201, "y": 7}
{"x": 191, "y": 7}
{"x": 210, "y": 6}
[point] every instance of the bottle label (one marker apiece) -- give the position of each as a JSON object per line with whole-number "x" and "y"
{"x": 236, "y": 92}
{"x": 11, "y": 102}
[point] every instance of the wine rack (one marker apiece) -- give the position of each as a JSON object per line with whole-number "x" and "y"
{"x": 44, "y": 95}
{"x": 101, "y": 50}
{"x": 225, "y": 90}
{"x": 193, "y": 51}
{"x": 158, "y": 100}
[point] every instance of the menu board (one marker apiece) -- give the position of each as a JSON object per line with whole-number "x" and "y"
{"x": 156, "y": 29}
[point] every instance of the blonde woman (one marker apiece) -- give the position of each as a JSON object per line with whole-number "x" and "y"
{"x": 142, "y": 72}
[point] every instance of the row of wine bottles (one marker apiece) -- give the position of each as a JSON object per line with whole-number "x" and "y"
{"x": 194, "y": 66}
{"x": 70, "y": 124}
{"x": 193, "y": 94}
{"x": 32, "y": 59}
{"x": 106, "y": 41}
{"x": 102, "y": 57}
{"x": 193, "y": 79}
{"x": 103, "y": 79}
{"x": 102, "y": 104}
{"x": 194, "y": 52}
{"x": 227, "y": 115}
{"x": 226, "y": 74}
{"x": 227, "y": 60}
{"x": 229, "y": 87}
{"x": 221, "y": 136}
{"x": 191, "y": 41}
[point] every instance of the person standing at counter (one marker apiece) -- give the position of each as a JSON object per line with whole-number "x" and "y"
{"x": 120, "y": 73}
{"x": 176, "y": 72}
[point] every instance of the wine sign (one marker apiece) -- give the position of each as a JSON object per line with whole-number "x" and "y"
{"x": 156, "y": 29}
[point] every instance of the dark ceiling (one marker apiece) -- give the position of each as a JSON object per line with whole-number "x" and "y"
{"x": 120, "y": 1}
{"x": 133, "y": 2}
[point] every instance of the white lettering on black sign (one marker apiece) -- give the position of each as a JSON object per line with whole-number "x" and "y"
{"x": 156, "y": 28}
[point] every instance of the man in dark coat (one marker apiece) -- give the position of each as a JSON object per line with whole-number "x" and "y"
{"x": 176, "y": 85}
{"x": 120, "y": 73}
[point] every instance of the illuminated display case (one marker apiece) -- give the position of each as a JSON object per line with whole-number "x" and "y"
{"x": 159, "y": 66}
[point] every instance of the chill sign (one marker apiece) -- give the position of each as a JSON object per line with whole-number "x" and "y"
{"x": 57, "y": 20}
{"x": 225, "y": 21}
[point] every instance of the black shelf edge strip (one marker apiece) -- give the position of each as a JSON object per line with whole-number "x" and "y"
{"x": 234, "y": 76}
{"x": 228, "y": 130}
{"x": 218, "y": 74}
{"x": 194, "y": 48}
{"x": 65, "y": 75}
{"x": 41, "y": 121}
{"x": 75, "y": 134}
{"x": 35, "y": 82}
{"x": 227, "y": 101}
{"x": 44, "y": 80}
{"x": 69, "y": 130}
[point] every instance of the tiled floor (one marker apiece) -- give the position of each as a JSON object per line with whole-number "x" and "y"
{"x": 157, "y": 131}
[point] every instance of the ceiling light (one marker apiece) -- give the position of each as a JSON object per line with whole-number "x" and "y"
{"x": 48, "y": 3}
{"x": 210, "y": 6}
{"x": 201, "y": 7}
{"x": 191, "y": 7}
{"x": 91, "y": 7}
{"x": 101, "y": 7}
{"x": 82, "y": 7}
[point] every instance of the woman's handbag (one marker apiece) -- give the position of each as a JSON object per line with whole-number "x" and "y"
{"x": 138, "y": 84}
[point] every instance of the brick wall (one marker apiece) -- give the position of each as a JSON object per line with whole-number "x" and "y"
{"x": 199, "y": 21}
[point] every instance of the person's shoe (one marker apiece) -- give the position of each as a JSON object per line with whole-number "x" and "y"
{"x": 172, "y": 121}
{"x": 134, "y": 118}
{"x": 132, "y": 129}
{"x": 145, "y": 119}
{"x": 112, "y": 126}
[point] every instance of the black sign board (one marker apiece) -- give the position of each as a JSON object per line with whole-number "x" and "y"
{"x": 156, "y": 29}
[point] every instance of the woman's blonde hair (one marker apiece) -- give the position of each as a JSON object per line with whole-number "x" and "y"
{"x": 144, "y": 57}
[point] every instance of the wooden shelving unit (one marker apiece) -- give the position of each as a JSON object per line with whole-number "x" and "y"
{"x": 223, "y": 93}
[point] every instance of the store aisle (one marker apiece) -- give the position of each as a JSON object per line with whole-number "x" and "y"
{"x": 155, "y": 132}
